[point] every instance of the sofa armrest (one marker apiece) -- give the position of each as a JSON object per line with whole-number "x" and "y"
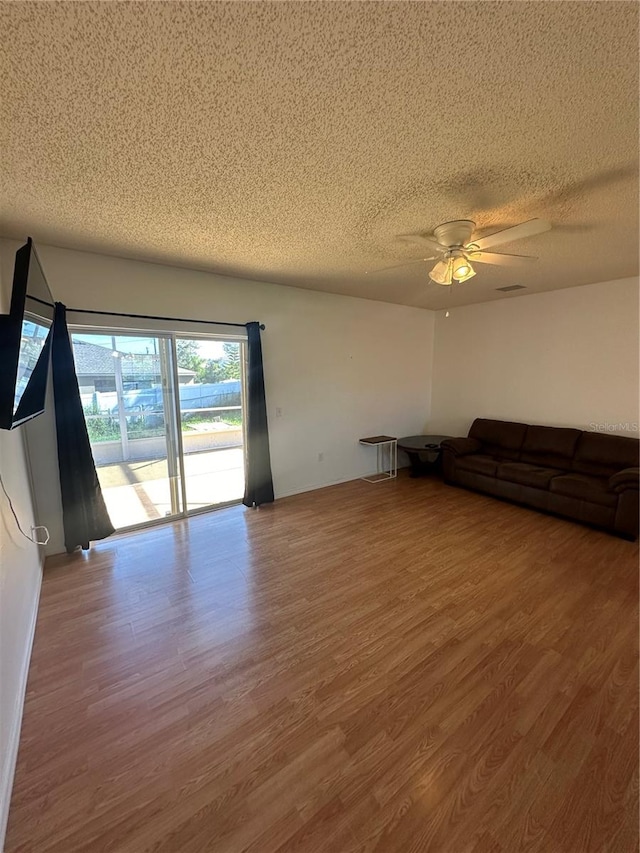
{"x": 461, "y": 446}
{"x": 628, "y": 478}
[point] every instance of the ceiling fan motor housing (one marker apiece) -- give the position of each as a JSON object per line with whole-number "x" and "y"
{"x": 454, "y": 234}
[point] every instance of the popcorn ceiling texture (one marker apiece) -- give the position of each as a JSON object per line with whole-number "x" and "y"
{"x": 292, "y": 142}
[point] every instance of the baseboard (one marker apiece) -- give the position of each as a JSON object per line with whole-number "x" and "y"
{"x": 6, "y": 783}
{"x": 313, "y": 488}
{"x": 317, "y": 486}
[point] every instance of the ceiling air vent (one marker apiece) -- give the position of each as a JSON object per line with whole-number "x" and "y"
{"x": 511, "y": 287}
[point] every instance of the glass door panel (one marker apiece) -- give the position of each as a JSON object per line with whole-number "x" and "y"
{"x": 126, "y": 390}
{"x": 209, "y": 376}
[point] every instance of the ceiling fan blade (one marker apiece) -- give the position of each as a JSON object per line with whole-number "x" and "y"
{"x": 500, "y": 260}
{"x": 397, "y": 266}
{"x": 517, "y": 232}
{"x": 424, "y": 242}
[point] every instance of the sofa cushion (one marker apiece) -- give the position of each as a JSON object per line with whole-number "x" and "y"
{"x": 628, "y": 478}
{"x": 603, "y": 455}
{"x": 551, "y": 447}
{"x": 460, "y": 446}
{"x": 502, "y": 439}
{"x": 526, "y": 474}
{"x": 583, "y": 487}
{"x": 479, "y": 463}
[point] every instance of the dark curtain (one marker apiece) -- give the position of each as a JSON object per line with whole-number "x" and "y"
{"x": 259, "y": 485}
{"x": 84, "y": 512}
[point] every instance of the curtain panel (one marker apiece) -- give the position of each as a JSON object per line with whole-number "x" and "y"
{"x": 259, "y": 482}
{"x": 85, "y": 516}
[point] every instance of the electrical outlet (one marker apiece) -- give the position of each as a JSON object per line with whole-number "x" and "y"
{"x": 320, "y": 457}
{"x": 278, "y": 412}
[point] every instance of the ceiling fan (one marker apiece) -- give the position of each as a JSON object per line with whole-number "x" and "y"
{"x": 452, "y": 247}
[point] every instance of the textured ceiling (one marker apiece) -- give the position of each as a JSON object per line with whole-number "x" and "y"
{"x": 292, "y": 142}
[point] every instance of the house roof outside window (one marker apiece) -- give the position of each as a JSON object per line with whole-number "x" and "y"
{"x": 94, "y": 360}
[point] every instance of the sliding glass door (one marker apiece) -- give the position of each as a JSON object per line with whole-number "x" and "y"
{"x": 164, "y": 417}
{"x": 211, "y": 409}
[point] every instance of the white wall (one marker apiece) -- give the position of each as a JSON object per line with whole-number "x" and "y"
{"x": 20, "y": 577}
{"x": 42, "y": 453}
{"x": 337, "y": 367}
{"x": 563, "y": 358}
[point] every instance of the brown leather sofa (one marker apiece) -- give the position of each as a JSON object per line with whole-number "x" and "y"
{"x": 586, "y": 476}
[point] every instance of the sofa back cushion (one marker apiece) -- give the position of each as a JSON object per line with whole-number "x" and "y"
{"x": 502, "y": 439}
{"x": 602, "y": 455}
{"x": 551, "y": 447}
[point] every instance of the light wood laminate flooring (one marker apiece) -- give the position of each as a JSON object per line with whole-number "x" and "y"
{"x": 394, "y": 667}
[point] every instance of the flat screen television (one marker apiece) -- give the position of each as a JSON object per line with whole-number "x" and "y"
{"x": 25, "y": 342}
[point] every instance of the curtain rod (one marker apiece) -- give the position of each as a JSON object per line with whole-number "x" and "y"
{"x": 143, "y": 316}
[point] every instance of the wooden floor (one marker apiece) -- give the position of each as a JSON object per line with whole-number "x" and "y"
{"x": 394, "y": 667}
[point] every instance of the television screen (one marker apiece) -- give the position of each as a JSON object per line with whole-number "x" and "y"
{"x": 25, "y": 342}
{"x": 32, "y": 342}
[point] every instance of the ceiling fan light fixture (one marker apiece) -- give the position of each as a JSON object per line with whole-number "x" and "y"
{"x": 442, "y": 272}
{"x": 462, "y": 269}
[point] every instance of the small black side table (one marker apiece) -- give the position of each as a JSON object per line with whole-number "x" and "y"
{"x": 417, "y": 447}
